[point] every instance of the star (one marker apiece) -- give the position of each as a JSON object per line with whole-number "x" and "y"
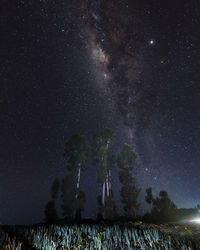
{"x": 151, "y": 42}
{"x": 95, "y": 16}
{"x": 105, "y": 75}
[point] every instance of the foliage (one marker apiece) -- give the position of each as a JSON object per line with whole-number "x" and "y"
{"x": 110, "y": 208}
{"x": 103, "y": 237}
{"x": 127, "y": 158}
{"x": 137, "y": 223}
{"x": 103, "y": 157}
{"x": 76, "y": 152}
{"x": 73, "y": 198}
{"x": 149, "y": 196}
{"x": 9, "y": 241}
{"x": 129, "y": 191}
{"x": 163, "y": 209}
{"x": 71, "y": 205}
{"x": 55, "y": 189}
{"x": 51, "y": 214}
{"x": 100, "y": 149}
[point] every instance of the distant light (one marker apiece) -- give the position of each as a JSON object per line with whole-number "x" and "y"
{"x": 197, "y": 220}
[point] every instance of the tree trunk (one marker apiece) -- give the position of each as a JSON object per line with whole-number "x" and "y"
{"x": 103, "y": 193}
{"x": 74, "y": 214}
{"x": 131, "y": 213}
{"x": 107, "y": 186}
{"x": 78, "y": 181}
{"x": 134, "y": 212}
{"x": 79, "y": 176}
{"x": 109, "y": 178}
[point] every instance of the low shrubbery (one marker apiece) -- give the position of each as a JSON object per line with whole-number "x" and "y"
{"x": 101, "y": 236}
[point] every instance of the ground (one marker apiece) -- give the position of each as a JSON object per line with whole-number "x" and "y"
{"x": 101, "y": 236}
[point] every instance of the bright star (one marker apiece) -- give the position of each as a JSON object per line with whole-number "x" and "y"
{"x": 151, "y": 42}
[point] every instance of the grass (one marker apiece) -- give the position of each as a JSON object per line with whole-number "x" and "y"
{"x": 131, "y": 235}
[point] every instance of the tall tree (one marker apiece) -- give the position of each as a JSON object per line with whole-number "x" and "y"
{"x": 149, "y": 196}
{"x": 103, "y": 158}
{"x": 129, "y": 191}
{"x": 55, "y": 189}
{"x": 51, "y": 213}
{"x": 73, "y": 197}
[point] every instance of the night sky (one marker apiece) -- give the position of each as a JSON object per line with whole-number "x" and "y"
{"x": 79, "y": 66}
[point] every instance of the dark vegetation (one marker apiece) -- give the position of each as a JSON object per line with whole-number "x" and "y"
{"x": 99, "y": 236}
{"x": 100, "y": 152}
{"x": 109, "y": 230}
{"x": 163, "y": 210}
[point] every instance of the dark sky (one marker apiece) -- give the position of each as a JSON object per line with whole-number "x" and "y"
{"x": 77, "y": 66}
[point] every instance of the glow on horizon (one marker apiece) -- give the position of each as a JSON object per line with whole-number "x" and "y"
{"x": 196, "y": 220}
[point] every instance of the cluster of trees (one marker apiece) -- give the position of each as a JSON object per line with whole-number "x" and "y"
{"x": 164, "y": 210}
{"x": 77, "y": 153}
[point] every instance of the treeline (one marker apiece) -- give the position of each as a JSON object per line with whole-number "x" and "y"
{"x": 163, "y": 210}
{"x": 77, "y": 153}
{"x": 100, "y": 152}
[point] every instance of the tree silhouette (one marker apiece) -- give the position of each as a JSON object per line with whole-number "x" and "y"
{"x": 129, "y": 191}
{"x": 51, "y": 213}
{"x": 73, "y": 197}
{"x": 163, "y": 209}
{"x": 103, "y": 158}
{"x": 149, "y": 196}
{"x": 55, "y": 189}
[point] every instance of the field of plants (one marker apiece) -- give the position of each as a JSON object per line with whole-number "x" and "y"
{"x": 105, "y": 237}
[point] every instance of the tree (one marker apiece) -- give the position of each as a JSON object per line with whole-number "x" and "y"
{"x": 55, "y": 189}
{"x": 129, "y": 192}
{"x": 51, "y": 214}
{"x": 149, "y": 196}
{"x": 110, "y": 207}
{"x": 68, "y": 193}
{"x": 163, "y": 209}
{"x": 73, "y": 197}
{"x": 103, "y": 158}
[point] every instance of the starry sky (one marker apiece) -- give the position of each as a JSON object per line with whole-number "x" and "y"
{"x": 77, "y": 66}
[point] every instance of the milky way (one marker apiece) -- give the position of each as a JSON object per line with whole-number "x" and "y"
{"x": 142, "y": 51}
{"x": 77, "y": 66}
{"x": 116, "y": 45}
